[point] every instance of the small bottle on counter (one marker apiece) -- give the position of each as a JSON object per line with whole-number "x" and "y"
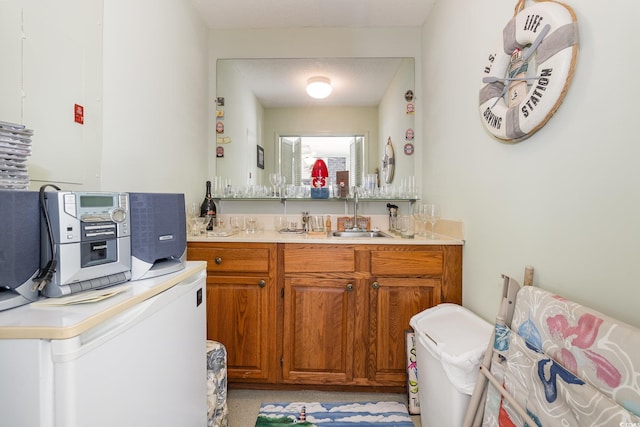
{"x": 208, "y": 207}
{"x": 328, "y": 225}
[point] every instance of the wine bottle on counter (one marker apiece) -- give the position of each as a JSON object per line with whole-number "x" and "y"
{"x": 208, "y": 207}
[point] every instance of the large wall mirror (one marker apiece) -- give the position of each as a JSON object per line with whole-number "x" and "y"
{"x": 263, "y": 102}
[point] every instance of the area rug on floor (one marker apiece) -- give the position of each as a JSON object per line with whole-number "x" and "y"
{"x": 334, "y": 414}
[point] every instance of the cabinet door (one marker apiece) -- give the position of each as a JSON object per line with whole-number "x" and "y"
{"x": 318, "y": 330}
{"x": 241, "y": 315}
{"x": 392, "y": 303}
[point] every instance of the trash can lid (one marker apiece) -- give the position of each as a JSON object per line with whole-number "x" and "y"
{"x": 454, "y": 329}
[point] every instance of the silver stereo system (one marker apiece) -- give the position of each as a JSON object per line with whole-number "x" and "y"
{"x": 91, "y": 241}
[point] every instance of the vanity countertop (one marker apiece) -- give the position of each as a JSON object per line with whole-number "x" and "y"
{"x": 272, "y": 236}
{"x": 448, "y": 232}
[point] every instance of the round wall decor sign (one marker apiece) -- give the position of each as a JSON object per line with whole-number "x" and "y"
{"x": 528, "y": 73}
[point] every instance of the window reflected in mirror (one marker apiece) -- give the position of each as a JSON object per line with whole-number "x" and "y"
{"x": 298, "y": 153}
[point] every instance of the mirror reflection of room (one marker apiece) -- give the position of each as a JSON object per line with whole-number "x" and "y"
{"x": 266, "y": 104}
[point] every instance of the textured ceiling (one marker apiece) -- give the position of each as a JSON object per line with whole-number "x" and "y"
{"x": 313, "y": 13}
{"x": 280, "y": 83}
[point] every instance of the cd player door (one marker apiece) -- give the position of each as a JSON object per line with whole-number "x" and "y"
{"x": 92, "y": 243}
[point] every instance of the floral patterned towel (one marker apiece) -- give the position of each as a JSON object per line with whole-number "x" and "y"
{"x": 566, "y": 365}
{"x": 217, "y": 412}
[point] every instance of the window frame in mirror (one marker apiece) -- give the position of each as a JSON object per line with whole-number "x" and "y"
{"x": 356, "y": 172}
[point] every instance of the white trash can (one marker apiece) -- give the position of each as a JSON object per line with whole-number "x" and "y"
{"x": 450, "y": 345}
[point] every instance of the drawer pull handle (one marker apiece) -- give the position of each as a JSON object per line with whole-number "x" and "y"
{"x": 350, "y": 287}
{"x": 218, "y": 260}
{"x": 262, "y": 283}
{"x": 375, "y": 285}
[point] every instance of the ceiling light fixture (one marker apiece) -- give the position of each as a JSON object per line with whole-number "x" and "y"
{"x": 319, "y": 87}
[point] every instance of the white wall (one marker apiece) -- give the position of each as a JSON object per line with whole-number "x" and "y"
{"x": 155, "y": 97}
{"x": 140, "y": 71}
{"x": 566, "y": 200}
{"x": 51, "y": 60}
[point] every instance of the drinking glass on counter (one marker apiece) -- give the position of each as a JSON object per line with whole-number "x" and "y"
{"x": 420, "y": 215}
{"x": 194, "y": 228}
{"x": 280, "y": 223}
{"x": 432, "y": 212}
{"x": 317, "y": 223}
{"x": 192, "y": 213}
{"x": 252, "y": 223}
{"x": 406, "y": 226}
{"x": 219, "y": 223}
{"x": 236, "y": 222}
{"x": 201, "y": 222}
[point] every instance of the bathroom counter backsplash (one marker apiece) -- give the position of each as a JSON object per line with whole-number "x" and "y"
{"x": 236, "y": 228}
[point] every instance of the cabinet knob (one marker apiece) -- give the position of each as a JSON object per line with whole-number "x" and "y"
{"x": 350, "y": 287}
{"x": 375, "y": 285}
{"x": 262, "y": 283}
{"x": 218, "y": 260}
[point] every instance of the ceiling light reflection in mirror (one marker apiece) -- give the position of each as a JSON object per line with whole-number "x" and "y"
{"x": 319, "y": 87}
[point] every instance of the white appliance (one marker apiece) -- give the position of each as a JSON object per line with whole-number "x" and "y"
{"x": 143, "y": 366}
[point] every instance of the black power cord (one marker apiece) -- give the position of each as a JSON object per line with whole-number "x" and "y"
{"x": 47, "y": 272}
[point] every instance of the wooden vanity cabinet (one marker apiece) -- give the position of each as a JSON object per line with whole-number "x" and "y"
{"x": 241, "y": 306}
{"x": 331, "y": 315}
{"x": 346, "y": 308}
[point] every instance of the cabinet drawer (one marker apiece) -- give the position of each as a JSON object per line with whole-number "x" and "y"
{"x": 405, "y": 263}
{"x": 319, "y": 260}
{"x": 241, "y": 260}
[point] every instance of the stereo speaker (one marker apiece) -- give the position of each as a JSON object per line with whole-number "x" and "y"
{"x": 158, "y": 234}
{"x": 19, "y": 247}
